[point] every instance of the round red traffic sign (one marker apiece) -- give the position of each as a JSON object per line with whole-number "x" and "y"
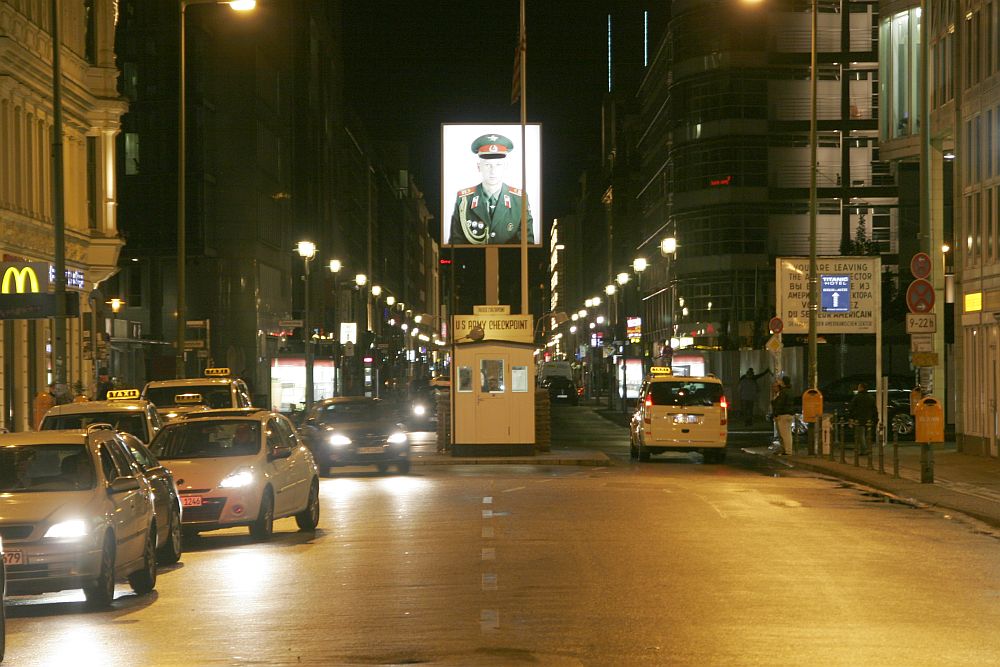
{"x": 775, "y": 325}
{"x": 920, "y": 296}
{"x": 920, "y": 265}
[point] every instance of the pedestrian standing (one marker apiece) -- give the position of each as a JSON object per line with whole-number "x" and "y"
{"x": 783, "y": 409}
{"x": 746, "y": 393}
{"x": 863, "y": 415}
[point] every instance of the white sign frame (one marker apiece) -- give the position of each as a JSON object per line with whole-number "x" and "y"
{"x": 792, "y": 295}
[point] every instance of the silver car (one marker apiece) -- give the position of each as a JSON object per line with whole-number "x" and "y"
{"x": 75, "y": 513}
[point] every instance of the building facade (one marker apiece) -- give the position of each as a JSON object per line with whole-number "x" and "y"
{"x": 91, "y": 111}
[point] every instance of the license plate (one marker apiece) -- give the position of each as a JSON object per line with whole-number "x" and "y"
{"x": 369, "y": 450}
{"x": 191, "y": 501}
{"x": 687, "y": 419}
{"x": 13, "y": 557}
{"x": 562, "y": 395}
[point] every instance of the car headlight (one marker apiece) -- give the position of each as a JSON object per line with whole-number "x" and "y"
{"x": 419, "y": 410}
{"x": 236, "y": 480}
{"x": 397, "y": 438}
{"x": 171, "y": 415}
{"x": 338, "y": 440}
{"x": 74, "y": 528}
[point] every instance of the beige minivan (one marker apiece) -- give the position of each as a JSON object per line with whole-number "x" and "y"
{"x": 681, "y": 414}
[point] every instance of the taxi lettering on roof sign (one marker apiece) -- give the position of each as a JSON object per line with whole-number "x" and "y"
{"x": 188, "y": 399}
{"x": 660, "y": 371}
{"x": 123, "y": 395}
{"x": 216, "y": 372}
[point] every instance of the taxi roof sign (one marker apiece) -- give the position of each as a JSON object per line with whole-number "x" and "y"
{"x": 123, "y": 395}
{"x": 217, "y": 372}
{"x": 188, "y": 399}
{"x": 661, "y": 370}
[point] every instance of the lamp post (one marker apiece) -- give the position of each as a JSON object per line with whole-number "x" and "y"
{"x": 639, "y": 264}
{"x": 240, "y": 6}
{"x": 335, "y": 266}
{"x": 307, "y": 251}
{"x": 116, "y": 306}
{"x": 668, "y": 248}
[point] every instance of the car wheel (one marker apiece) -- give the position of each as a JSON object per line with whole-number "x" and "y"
{"x": 714, "y": 455}
{"x": 308, "y": 518}
{"x": 382, "y": 467}
{"x": 101, "y": 592}
{"x": 903, "y": 424}
{"x": 403, "y": 466}
{"x": 170, "y": 552}
{"x": 144, "y": 581}
{"x": 644, "y": 453}
{"x": 263, "y": 527}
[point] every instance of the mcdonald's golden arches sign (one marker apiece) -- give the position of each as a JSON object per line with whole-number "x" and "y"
{"x": 24, "y": 278}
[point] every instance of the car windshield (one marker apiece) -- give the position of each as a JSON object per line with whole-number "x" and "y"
{"x": 129, "y": 422}
{"x": 28, "y": 468}
{"x": 205, "y": 439}
{"x": 352, "y": 411}
{"x": 685, "y": 393}
{"x": 214, "y": 395}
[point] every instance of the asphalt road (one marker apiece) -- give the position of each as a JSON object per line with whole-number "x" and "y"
{"x": 668, "y": 562}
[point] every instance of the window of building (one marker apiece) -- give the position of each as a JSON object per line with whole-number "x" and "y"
{"x": 131, "y": 153}
{"x": 93, "y": 183}
{"x": 899, "y": 63}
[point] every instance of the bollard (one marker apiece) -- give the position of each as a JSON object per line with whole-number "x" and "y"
{"x": 881, "y": 447}
{"x": 857, "y": 445}
{"x": 843, "y": 442}
{"x": 926, "y": 464}
{"x": 895, "y": 453}
{"x": 869, "y": 446}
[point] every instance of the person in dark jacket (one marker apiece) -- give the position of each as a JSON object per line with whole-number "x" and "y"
{"x": 783, "y": 409}
{"x": 863, "y": 415}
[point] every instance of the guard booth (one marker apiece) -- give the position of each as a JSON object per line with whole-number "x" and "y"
{"x": 493, "y": 386}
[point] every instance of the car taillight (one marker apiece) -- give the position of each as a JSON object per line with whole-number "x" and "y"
{"x": 649, "y": 400}
{"x": 725, "y": 411}
{"x": 648, "y": 403}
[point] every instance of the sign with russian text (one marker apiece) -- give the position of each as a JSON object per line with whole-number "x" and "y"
{"x": 862, "y": 277}
{"x": 513, "y": 328}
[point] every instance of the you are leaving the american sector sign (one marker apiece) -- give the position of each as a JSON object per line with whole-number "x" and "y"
{"x": 849, "y": 294}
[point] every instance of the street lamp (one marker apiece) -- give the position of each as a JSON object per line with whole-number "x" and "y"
{"x": 238, "y": 5}
{"x": 116, "y": 306}
{"x": 307, "y": 251}
{"x": 335, "y": 266}
{"x": 668, "y": 248}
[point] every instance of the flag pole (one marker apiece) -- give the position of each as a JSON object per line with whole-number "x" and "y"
{"x": 522, "y": 50}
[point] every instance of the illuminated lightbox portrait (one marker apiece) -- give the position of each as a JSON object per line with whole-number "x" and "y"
{"x": 483, "y": 191}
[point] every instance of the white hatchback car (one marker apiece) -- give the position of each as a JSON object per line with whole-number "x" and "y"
{"x": 217, "y": 390}
{"x": 124, "y": 410}
{"x": 241, "y": 467}
{"x": 75, "y": 513}
{"x": 680, "y": 413}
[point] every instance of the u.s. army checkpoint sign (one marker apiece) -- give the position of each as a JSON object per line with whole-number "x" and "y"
{"x": 515, "y": 328}
{"x": 864, "y": 278}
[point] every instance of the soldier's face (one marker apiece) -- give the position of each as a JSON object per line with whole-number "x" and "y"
{"x": 492, "y": 172}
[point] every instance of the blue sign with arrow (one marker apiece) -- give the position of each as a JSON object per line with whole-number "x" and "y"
{"x": 835, "y": 293}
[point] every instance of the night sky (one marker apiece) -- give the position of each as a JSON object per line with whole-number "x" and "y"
{"x": 411, "y": 66}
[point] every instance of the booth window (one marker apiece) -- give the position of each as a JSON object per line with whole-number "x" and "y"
{"x": 491, "y": 371}
{"x": 465, "y": 378}
{"x": 519, "y": 379}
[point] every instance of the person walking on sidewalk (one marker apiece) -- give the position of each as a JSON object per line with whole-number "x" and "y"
{"x": 863, "y": 415}
{"x": 746, "y": 394}
{"x": 783, "y": 409}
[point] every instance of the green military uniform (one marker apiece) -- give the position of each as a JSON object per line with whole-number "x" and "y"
{"x": 478, "y": 218}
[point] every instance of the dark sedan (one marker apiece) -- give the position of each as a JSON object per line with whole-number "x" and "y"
{"x": 355, "y": 430}
{"x": 562, "y": 389}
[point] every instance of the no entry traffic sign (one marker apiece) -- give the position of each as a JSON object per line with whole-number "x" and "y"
{"x": 775, "y": 325}
{"x": 920, "y": 265}
{"x": 920, "y": 296}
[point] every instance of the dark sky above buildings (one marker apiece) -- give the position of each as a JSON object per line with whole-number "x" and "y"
{"x": 411, "y": 66}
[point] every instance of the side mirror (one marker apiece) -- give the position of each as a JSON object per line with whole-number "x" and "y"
{"x": 123, "y": 484}
{"x": 279, "y": 453}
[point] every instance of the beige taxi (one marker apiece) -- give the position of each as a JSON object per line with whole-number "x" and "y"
{"x": 217, "y": 390}
{"x": 680, "y": 414}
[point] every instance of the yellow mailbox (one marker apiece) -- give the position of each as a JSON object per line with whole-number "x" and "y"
{"x": 930, "y": 420}
{"x": 812, "y": 405}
